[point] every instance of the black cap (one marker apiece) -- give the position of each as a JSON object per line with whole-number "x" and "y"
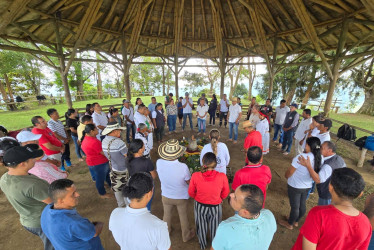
{"x": 325, "y": 122}
{"x": 19, "y": 154}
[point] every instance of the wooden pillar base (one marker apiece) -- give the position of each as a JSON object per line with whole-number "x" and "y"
{"x": 361, "y": 161}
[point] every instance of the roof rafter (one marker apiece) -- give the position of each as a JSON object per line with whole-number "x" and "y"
{"x": 11, "y": 12}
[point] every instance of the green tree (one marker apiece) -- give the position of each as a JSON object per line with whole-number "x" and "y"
{"x": 241, "y": 90}
{"x": 194, "y": 81}
{"x": 146, "y": 77}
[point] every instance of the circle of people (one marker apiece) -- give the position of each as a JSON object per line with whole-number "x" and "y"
{"x": 36, "y": 183}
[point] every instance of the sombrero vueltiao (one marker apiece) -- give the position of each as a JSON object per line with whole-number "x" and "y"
{"x": 171, "y": 150}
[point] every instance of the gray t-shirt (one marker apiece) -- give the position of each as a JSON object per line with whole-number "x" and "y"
{"x": 117, "y": 150}
{"x": 281, "y": 114}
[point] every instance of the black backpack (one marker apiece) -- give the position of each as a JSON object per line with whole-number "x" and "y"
{"x": 361, "y": 142}
{"x": 346, "y": 132}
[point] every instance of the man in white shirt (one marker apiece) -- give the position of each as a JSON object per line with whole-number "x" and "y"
{"x": 187, "y": 105}
{"x": 174, "y": 177}
{"x": 201, "y": 114}
{"x": 128, "y": 117}
{"x": 302, "y": 130}
{"x": 99, "y": 119}
{"x": 134, "y": 227}
{"x": 324, "y": 126}
{"x": 139, "y": 116}
{"x": 280, "y": 115}
{"x": 223, "y": 109}
{"x": 235, "y": 113}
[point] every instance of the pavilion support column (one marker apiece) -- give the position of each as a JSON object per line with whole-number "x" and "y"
{"x": 126, "y": 68}
{"x": 163, "y": 81}
{"x": 222, "y": 69}
{"x": 62, "y": 68}
{"x": 176, "y": 73}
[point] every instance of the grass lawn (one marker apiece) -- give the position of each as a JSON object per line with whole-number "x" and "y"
{"x": 13, "y": 120}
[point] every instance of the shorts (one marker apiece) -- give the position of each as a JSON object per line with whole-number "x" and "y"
{"x": 180, "y": 116}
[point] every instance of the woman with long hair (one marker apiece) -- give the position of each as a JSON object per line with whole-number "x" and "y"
{"x": 208, "y": 188}
{"x": 96, "y": 160}
{"x": 137, "y": 103}
{"x": 114, "y": 116}
{"x": 219, "y": 149}
{"x": 72, "y": 123}
{"x": 137, "y": 163}
{"x": 89, "y": 109}
{"x": 300, "y": 182}
{"x": 212, "y": 110}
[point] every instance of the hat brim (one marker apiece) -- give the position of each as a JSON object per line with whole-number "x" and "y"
{"x": 169, "y": 156}
{"x": 38, "y": 153}
{"x": 107, "y": 131}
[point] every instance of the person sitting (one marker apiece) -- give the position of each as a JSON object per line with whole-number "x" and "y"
{"x": 254, "y": 138}
{"x": 174, "y": 177}
{"x": 219, "y": 149}
{"x": 96, "y": 159}
{"x": 42, "y": 169}
{"x": 51, "y": 146}
{"x": 27, "y": 193}
{"x": 251, "y": 227}
{"x": 134, "y": 227}
{"x": 208, "y": 188}
{"x": 340, "y": 225}
{"x": 331, "y": 161}
{"x": 136, "y": 162}
{"x": 299, "y": 182}
{"x": 116, "y": 151}
{"x": 142, "y": 134}
{"x": 254, "y": 173}
{"x": 62, "y": 224}
{"x": 262, "y": 126}
{"x": 369, "y": 212}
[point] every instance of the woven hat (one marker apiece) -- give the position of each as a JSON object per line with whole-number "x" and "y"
{"x": 247, "y": 124}
{"x": 112, "y": 127}
{"x": 234, "y": 99}
{"x": 171, "y": 150}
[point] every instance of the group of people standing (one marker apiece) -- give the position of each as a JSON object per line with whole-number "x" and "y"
{"x": 47, "y": 201}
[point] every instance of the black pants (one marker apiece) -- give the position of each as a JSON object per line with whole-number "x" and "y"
{"x": 297, "y": 198}
{"x": 66, "y": 156}
{"x": 222, "y": 115}
{"x": 212, "y": 116}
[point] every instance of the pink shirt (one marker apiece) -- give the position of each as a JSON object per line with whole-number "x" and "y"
{"x": 47, "y": 171}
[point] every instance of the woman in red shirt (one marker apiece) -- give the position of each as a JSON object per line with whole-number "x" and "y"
{"x": 208, "y": 188}
{"x": 95, "y": 158}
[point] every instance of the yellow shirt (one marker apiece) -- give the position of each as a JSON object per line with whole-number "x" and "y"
{"x": 80, "y": 129}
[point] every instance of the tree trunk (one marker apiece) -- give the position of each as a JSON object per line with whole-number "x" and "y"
{"x": 330, "y": 92}
{"x": 290, "y": 94}
{"x": 368, "y": 107}
{"x": 251, "y": 78}
{"x": 10, "y": 91}
{"x": 168, "y": 82}
{"x": 4, "y": 95}
{"x": 307, "y": 94}
{"x": 163, "y": 80}
{"x": 99, "y": 82}
{"x": 65, "y": 83}
{"x": 271, "y": 83}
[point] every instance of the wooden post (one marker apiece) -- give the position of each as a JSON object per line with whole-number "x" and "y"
{"x": 126, "y": 68}
{"x": 176, "y": 72}
{"x": 361, "y": 161}
{"x": 163, "y": 81}
{"x": 222, "y": 68}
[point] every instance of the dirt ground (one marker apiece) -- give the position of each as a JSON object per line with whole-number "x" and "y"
{"x": 91, "y": 206}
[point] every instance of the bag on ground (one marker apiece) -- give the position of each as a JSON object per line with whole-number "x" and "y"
{"x": 347, "y": 132}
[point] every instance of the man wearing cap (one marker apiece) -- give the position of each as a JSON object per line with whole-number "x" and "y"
{"x": 51, "y": 146}
{"x": 290, "y": 124}
{"x": 235, "y": 113}
{"x": 324, "y": 126}
{"x": 174, "y": 177}
{"x": 223, "y": 108}
{"x": 27, "y": 193}
{"x": 254, "y": 138}
{"x": 128, "y": 117}
{"x": 116, "y": 151}
{"x": 43, "y": 168}
{"x": 187, "y": 105}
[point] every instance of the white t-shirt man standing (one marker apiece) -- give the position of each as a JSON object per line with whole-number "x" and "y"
{"x": 302, "y": 130}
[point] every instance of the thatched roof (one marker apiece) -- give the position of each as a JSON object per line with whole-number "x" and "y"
{"x": 202, "y": 28}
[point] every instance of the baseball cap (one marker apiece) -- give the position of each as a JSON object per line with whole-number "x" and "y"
{"x": 25, "y": 136}
{"x": 294, "y": 105}
{"x": 19, "y": 154}
{"x": 325, "y": 122}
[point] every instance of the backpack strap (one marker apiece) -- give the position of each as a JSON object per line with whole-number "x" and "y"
{"x": 109, "y": 157}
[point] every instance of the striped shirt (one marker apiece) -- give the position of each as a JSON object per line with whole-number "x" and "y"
{"x": 58, "y": 128}
{"x": 117, "y": 152}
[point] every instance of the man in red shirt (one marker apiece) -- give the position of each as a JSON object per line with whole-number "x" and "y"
{"x": 254, "y": 173}
{"x": 52, "y": 147}
{"x": 254, "y": 138}
{"x": 340, "y": 225}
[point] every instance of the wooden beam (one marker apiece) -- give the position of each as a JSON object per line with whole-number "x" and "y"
{"x": 27, "y": 50}
{"x": 217, "y": 29}
{"x": 178, "y": 25}
{"x": 204, "y": 19}
{"x": 137, "y": 27}
{"x": 14, "y": 8}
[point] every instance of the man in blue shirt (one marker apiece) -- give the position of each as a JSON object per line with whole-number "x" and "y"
{"x": 62, "y": 224}
{"x": 252, "y": 227}
{"x": 152, "y": 105}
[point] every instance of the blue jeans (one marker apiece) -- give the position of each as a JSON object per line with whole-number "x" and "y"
{"x": 278, "y": 128}
{"x": 233, "y": 126}
{"x": 201, "y": 123}
{"x": 78, "y": 149}
{"x": 132, "y": 128}
{"x": 324, "y": 202}
{"x": 101, "y": 174}
{"x": 92, "y": 172}
{"x": 185, "y": 119}
{"x": 312, "y": 189}
{"x": 172, "y": 120}
{"x": 39, "y": 232}
{"x": 287, "y": 140}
